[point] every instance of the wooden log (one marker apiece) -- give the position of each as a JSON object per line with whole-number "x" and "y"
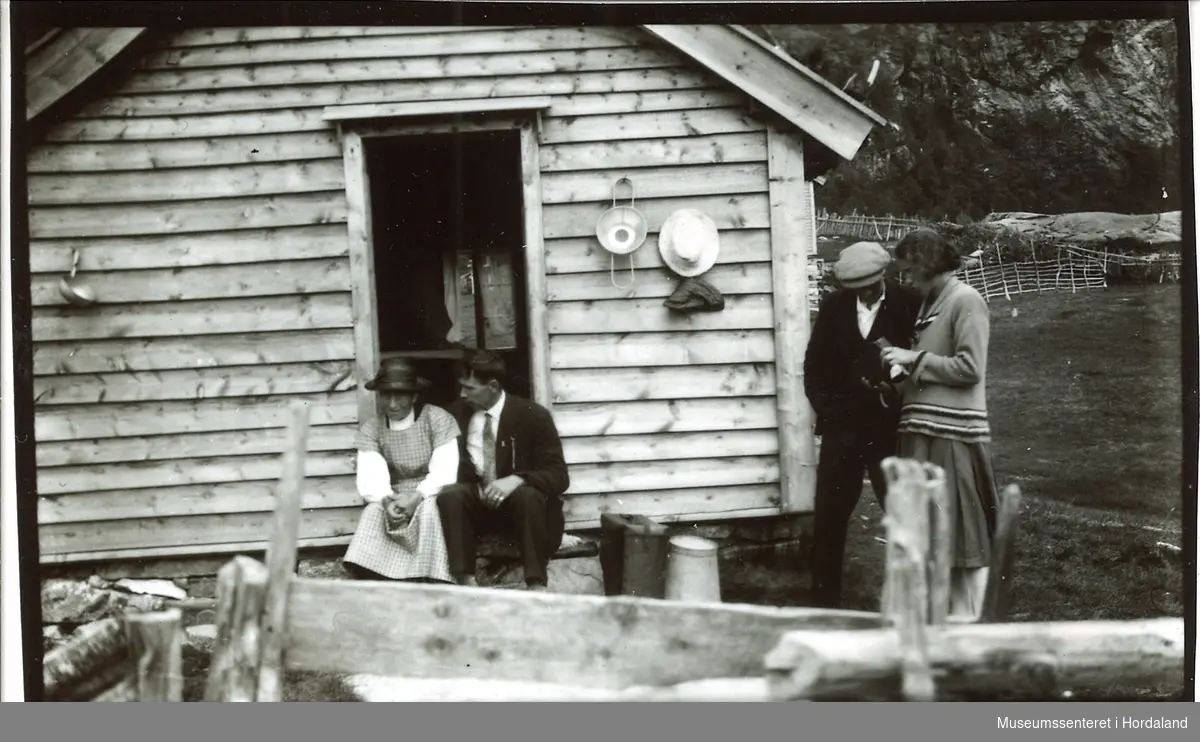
{"x": 156, "y": 652}
{"x": 69, "y": 665}
{"x": 122, "y": 692}
{"x": 111, "y": 681}
{"x": 281, "y": 558}
{"x": 980, "y": 658}
{"x": 241, "y": 596}
{"x": 605, "y": 642}
{"x": 1004, "y": 546}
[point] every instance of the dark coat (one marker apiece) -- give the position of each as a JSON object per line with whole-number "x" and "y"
{"x": 527, "y": 444}
{"x": 838, "y": 357}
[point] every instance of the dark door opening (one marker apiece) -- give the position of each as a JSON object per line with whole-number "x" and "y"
{"x": 448, "y": 221}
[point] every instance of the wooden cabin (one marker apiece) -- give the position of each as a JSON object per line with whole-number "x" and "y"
{"x": 265, "y": 213}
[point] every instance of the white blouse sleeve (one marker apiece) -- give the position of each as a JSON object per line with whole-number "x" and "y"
{"x": 372, "y": 478}
{"x": 443, "y": 469}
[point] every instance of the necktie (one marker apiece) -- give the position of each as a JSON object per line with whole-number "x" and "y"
{"x": 489, "y": 450}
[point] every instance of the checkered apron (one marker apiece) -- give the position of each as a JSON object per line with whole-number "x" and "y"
{"x": 407, "y": 453}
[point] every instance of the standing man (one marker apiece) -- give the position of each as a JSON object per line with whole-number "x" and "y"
{"x": 511, "y": 475}
{"x": 857, "y": 408}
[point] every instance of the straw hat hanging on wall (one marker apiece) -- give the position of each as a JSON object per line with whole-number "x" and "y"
{"x": 689, "y": 244}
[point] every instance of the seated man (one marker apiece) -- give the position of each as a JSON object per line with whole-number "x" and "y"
{"x": 511, "y": 475}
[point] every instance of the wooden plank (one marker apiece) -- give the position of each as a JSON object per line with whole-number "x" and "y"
{"x": 535, "y": 268}
{"x": 183, "y": 470}
{"x": 729, "y": 279}
{"x": 303, "y": 96}
{"x": 245, "y": 35}
{"x": 661, "y": 447}
{"x": 397, "y": 65}
{"x": 250, "y": 212}
{"x": 583, "y": 254}
{"x": 672, "y": 382}
{"x": 749, "y": 211}
{"x": 1004, "y": 546}
{"x": 214, "y": 498}
{"x": 127, "y": 560}
{"x": 194, "y": 384}
{"x": 653, "y": 125}
{"x": 679, "y": 474}
{"x": 662, "y": 349}
{"x": 746, "y": 312}
{"x": 254, "y": 442}
{"x": 185, "y": 184}
{"x": 281, "y": 558}
{"x": 660, "y": 416}
{"x": 320, "y": 311}
{"x": 169, "y": 126}
{"x": 791, "y": 234}
{"x": 330, "y": 49}
{"x": 308, "y": 242}
{"x": 284, "y": 278}
{"x": 365, "y": 317}
{"x": 809, "y": 103}
{"x": 656, "y": 182}
{"x": 200, "y": 351}
{"x": 675, "y": 505}
{"x": 74, "y": 56}
{"x": 1055, "y": 656}
{"x": 199, "y": 532}
{"x": 675, "y": 100}
{"x": 450, "y": 108}
{"x": 156, "y": 418}
{"x": 699, "y": 150}
{"x": 91, "y": 157}
{"x": 609, "y": 642}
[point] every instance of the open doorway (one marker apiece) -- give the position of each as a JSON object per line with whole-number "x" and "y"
{"x": 448, "y": 239}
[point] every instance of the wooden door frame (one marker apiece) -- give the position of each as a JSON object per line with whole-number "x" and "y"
{"x": 792, "y": 233}
{"x": 367, "y": 122}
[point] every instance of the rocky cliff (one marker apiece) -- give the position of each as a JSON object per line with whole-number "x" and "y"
{"x": 1048, "y": 117}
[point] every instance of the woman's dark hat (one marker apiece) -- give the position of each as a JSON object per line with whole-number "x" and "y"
{"x": 397, "y": 375}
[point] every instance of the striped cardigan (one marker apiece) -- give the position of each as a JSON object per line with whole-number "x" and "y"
{"x": 944, "y": 396}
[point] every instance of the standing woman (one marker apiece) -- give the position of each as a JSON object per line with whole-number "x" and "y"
{"x": 406, "y": 454}
{"x": 944, "y": 418}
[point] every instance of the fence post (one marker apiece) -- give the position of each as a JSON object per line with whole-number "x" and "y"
{"x": 241, "y": 594}
{"x": 156, "y": 653}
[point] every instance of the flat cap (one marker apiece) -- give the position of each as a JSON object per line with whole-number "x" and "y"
{"x": 861, "y": 264}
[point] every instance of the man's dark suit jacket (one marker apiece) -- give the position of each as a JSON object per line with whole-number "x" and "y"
{"x": 838, "y": 357}
{"x": 527, "y": 444}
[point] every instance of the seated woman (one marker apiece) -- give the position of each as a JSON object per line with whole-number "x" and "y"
{"x": 406, "y": 454}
